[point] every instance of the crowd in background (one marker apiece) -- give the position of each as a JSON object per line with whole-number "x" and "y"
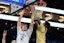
{"x": 53, "y": 33}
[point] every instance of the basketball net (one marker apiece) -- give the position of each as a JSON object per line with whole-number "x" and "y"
{"x": 38, "y": 14}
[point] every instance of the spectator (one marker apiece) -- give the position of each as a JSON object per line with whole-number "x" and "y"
{"x": 4, "y": 37}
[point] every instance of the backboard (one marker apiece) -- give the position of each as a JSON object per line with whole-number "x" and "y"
{"x": 18, "y": 2}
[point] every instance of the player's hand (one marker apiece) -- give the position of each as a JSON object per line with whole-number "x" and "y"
{"x": 22, "y": 12}
{"x": 4, "y": 33}
{"x": 32, "y": 9}
{"x": 32, "y": 6}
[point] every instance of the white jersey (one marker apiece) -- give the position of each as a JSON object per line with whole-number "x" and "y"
{"x": 23, "y": 36}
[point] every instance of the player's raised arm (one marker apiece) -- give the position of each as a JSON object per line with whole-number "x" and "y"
{"x": 32, "y": 16}
{"x": 20, "y": 17}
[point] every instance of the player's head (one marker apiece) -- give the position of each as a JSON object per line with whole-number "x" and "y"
{"x": 37, "y": 22}
{"x": 24, "y": 27}
{"x": 13, "y": 41}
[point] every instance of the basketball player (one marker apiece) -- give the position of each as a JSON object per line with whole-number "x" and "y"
{"x": 23, "y": 33}
{"x": 40, "y": 32}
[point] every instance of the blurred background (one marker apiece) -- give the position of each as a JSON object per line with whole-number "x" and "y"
{"x": 53, "y": 35}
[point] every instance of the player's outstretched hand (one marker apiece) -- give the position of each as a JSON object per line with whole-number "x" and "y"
{"x": 22, "y": 12}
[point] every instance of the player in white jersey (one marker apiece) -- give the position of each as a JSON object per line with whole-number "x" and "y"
{"x": 23, "y": 33}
